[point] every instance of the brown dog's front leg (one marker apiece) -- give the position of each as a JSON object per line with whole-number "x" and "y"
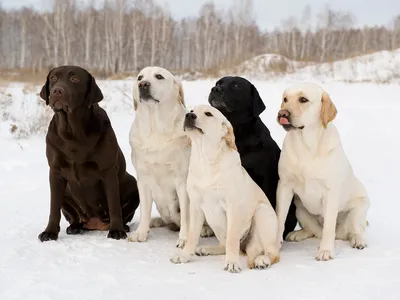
{"x": 57, "y": 191}
{"x": 111, "y": 187}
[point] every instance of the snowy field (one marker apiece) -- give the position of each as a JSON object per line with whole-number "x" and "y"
{"x": 91, "y": 266}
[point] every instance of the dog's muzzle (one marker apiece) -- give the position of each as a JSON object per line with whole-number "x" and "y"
{"x": 144, "y": 90}
{"x": 284, "y": 120}
{"x": 190, "y": 121}
{"x": 57, "y": 98}
{"x": 217, "y": 101}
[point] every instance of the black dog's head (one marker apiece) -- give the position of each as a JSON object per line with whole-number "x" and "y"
{"x": 70, "y": 87}
{"x": 236, "y": 94}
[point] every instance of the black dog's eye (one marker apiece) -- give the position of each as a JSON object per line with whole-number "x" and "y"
{"x": 140, "y": 77}
{"x": 158, "y": 76}
{"x": 303, "y": 100}
{"x": 235, "y": 85}
{"x": 208, "y": 114}
{"x": 285, "y": 99}
{"x": 74, "y": 78}
{"x": 53, "y": 77}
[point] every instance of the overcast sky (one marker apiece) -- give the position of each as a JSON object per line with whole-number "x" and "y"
{"x": 270, "y": 13}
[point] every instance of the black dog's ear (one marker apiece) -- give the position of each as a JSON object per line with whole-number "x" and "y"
{"x": 45, "y": 92}
{"x": 94, "y": 94}
{"x": 258, "y": 104}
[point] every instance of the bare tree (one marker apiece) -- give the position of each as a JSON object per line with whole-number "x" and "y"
{"x": 120, "y": 36}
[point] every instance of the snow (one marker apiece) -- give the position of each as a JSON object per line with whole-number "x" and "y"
{"x": 382, "y": 66}
{"x": 94, "y": 267}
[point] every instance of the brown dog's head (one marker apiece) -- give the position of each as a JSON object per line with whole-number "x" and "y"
{"x": 70, "y": 87}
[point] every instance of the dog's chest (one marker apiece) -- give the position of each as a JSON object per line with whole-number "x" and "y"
{"x": 86, "y": 173}
{"x": 308, "y": 183}
{"x": 161, "y": 157}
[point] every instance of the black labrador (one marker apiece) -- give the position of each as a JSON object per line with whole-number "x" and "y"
{"x": 239, "y": 101}
{"x": 88, "y": 178}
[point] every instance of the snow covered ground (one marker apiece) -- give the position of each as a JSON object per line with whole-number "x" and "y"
{"x": 381, "y": 66}
{"x": 93, "y": 267}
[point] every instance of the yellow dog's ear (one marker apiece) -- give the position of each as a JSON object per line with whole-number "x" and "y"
{"x": 134, "y": 103}
{"x": 230, "y": 136}
{"x": 328, "y": 109}
{"x": 181, "y": 95}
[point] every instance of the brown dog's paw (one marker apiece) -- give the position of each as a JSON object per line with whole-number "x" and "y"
{"x": 75, "y": 229}
{"x": 48, "y": 236}
{"x": 117, "y": 234}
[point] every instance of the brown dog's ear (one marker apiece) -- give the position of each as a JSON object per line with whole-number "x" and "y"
{"x": 45, "y": 92}
{"x": 328, "y": 109}
{"x": 230, "y": 136}
{"x": 94, "y": 94}
{"x": 181, "y": 95}
{"x": 258, "y": 104}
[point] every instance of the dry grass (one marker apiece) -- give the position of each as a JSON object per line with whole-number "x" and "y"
{"x": 25, "y": 114}
{"x": 22, "y": 75}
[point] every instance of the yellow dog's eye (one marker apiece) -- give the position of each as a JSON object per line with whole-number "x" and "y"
{"x": 303, "y": 100}
{"x": 140, "y": 77}
{"x": 158, "y": 76}
{"x": 208, "y": 114}
{"x": 285, "y": 99}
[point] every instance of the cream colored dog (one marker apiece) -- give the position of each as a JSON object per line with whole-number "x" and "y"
{"x": 331, "y": 201}
{"x": 224, "y": 194}
{"x": 160, "y": 153}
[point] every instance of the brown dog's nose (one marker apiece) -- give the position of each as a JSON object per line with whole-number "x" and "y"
{"x": 144, "y": 84}
{"x": 58, "y": 91}
{"x": 283, "y": 113}
{"x": 191, "y": 116}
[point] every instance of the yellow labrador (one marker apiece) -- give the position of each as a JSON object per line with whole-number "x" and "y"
{"x": 222, "y": 192}
{"x": 160, "y": 152}
{"x": 331, "y": 202}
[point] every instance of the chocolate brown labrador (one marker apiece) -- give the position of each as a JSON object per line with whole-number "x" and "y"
{"x": 88, "y": 178}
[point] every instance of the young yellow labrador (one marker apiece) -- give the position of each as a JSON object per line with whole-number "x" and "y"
{"x": 222, "y": 192}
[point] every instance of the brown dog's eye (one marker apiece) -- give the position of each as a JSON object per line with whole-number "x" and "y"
{"x": 285, "y": 99}
{"x": 53, "y": 77}
{"x": 158, "y": 76}
{"x": 74, "y": 78}
{"x": 140, "y": 77}
{"x": 303, "y": 100}
{"x": 208, "y": 114}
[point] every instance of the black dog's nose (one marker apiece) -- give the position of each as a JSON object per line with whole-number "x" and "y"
{"x": 144, "y": 84}
{"x": 216, "y": 89}
{"x": 283, "y": 113}
{"x": 58, "y": 91}
{"x": 190, "y": 116}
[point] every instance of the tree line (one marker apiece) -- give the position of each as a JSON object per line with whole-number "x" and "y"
{"x": 124, "y": 36}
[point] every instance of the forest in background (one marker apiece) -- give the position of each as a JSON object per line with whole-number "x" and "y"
{"x": 124, "y": 36}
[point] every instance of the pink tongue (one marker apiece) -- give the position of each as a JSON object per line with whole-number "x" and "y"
{"x": 284, "y": 121}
